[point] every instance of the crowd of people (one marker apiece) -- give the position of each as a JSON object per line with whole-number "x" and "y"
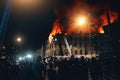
{"x": 53, "y": 68}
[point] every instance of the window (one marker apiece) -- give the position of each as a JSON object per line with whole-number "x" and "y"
{"x": 86, "y": 52}
{"x": 80, "y": 51}
{"x": 76, "y": 52}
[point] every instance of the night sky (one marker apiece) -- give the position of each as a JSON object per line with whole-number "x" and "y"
{"x": 35, "y": 23}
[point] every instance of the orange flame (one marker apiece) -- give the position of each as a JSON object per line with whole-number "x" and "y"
{"x": 55, "y": 30}
{"x": 68, "y": 14}
{"x": 113, "y": 17}
{"x": 101, "y": 30}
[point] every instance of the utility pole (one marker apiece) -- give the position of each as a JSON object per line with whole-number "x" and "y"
{"x": 109, "y": 31}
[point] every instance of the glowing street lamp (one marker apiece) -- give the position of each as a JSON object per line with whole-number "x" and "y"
{"x": 29, "y": 56}
{"x": 19, "y": 39}
{"x": 20, "y": 58}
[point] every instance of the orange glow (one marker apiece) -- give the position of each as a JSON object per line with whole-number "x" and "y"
{"x": 101, "y": 30}
{"x": 55, "y": 30}
{"x": 79, "y": 24}
{"x": 95, "y": 16}
{"x": 26, "y": 6}
{"x": 26, "y": 3}
{"x": 78, "y": 29}
{"x": 113, "y": 17}
{"x": 81, "y": 21}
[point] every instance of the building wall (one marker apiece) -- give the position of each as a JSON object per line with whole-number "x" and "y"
{"x": 77, "y": 42}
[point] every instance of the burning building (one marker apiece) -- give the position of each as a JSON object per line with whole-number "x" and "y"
{"x": 79, "y": 28}
{"x": 78, "y": 44}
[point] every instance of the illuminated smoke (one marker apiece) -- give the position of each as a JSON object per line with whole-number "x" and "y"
{"x": 68, "y": 11}
{"x": 113, "y": 17}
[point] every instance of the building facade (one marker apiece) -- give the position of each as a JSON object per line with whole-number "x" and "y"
{"x": 79, "y": 44}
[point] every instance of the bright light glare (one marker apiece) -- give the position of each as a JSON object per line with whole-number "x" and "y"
{"x": 19, "y": 39}
{"x": 29, "y": 56}
{"x": 20, "y": 58}
{"x": 81, "y": 21}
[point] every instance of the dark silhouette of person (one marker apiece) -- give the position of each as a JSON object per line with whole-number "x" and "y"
{"x": 94, "y": 69}
{"x": 38, "y": 69}
{"x": 45, "y": 67}
{"x": 84, "y": 69}
{"x": 52, "y": 74}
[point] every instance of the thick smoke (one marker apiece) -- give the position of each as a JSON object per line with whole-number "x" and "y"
{"x": 68, "y": 10}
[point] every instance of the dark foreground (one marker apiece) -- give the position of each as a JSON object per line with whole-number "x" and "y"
{"x": 61, "y": 69}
